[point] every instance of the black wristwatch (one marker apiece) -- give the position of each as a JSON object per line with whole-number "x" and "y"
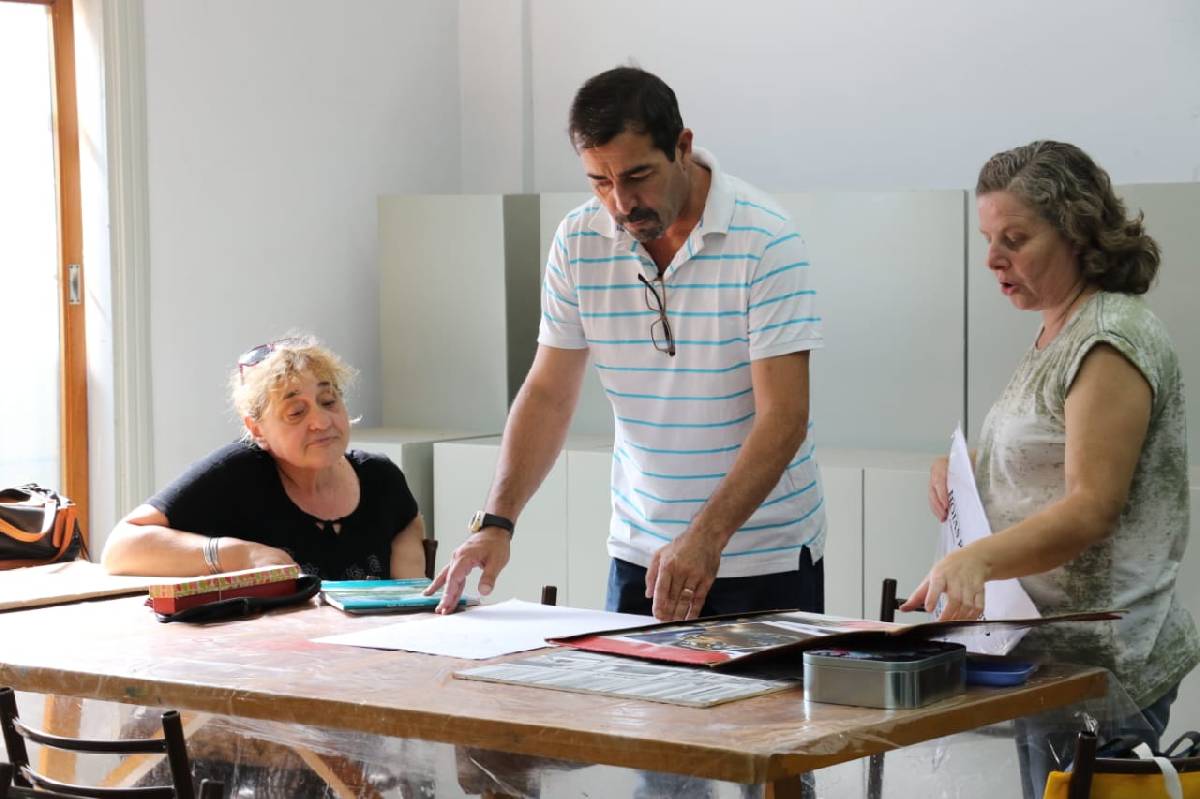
{"x": 481, "y": 519}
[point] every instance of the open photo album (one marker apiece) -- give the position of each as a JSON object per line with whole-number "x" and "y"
{"x": 731, "y": 641}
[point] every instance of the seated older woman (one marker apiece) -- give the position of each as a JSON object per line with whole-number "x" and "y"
{"x": 289, "y": 491}
{"x": 1082, "y": 461}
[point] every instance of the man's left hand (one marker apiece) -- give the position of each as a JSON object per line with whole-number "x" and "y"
{"x": 680, "y": 575}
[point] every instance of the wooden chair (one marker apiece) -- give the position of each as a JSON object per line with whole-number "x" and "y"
{"x": 172, "y": 746}
{"x": 889, "y": 603}
{"x": 10, "y": 791}
{"x": 430, "y": 546}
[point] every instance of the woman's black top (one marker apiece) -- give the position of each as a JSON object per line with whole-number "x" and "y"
{"x": 237, "y": 491}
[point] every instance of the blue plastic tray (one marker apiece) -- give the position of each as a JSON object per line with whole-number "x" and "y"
{"x": 998, "y": 672}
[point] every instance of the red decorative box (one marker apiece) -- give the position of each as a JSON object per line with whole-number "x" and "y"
{"x": 263, "y": 581}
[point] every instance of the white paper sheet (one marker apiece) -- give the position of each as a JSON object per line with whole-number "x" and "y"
{"x": 488, "y": 631}
{"x": 966, "y": 523}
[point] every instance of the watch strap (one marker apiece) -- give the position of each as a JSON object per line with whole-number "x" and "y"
{"x": 483, "y": 519}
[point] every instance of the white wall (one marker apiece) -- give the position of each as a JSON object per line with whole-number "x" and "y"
{"x": 797, "y": 96}
{"x": 273, "y": 127}
{"x": 497, "y": 110}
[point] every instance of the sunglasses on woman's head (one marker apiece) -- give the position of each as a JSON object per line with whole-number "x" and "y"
{"x": 256, "y": 355}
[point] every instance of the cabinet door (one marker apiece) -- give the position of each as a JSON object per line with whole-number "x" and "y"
{"x": 843, "y": 540}
{"x": 891, "y": 305}
{"x": 900, "y": 535}
{"x": 589, "y": 509}
{"x": 427, "y": 320}
{"x": 462, "y": 476}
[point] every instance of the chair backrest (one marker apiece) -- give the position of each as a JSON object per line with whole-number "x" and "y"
{"x": 171, "y": 745}
{"x": 888, "y": 602}
{"x": 10, "y": 791}
{"x": 430, "y": 547}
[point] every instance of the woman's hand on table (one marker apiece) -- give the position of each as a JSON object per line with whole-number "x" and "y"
{"x": 961, "y": 576}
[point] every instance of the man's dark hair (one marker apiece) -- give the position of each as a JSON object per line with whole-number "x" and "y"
{"x": 625, "y": 98}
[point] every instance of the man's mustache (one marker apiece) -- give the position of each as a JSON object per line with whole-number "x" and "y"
{"x": 639, "y": 215}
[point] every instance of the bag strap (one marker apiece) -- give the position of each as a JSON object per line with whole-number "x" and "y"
{"x": 1186, "y": 745}
{"x": 1170, "y": 776}
{"x": 1171, "y": 781}
{"x": 26, "y": 536}
{"x": 65, "y": 528}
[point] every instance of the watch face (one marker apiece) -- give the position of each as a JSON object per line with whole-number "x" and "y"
{"x": 476, "y": 523}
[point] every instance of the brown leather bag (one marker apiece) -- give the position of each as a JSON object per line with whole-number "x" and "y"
{"x": 37, "y": 526}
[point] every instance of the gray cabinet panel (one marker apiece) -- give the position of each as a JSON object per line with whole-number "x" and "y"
{"x": 458, "y": 307}
{"x": 888, "y": 269}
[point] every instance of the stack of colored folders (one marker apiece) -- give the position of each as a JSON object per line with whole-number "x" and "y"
{"x": 263, "y": 581}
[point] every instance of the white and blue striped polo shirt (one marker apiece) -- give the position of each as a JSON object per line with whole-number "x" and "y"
{"x": 737, "y": 290}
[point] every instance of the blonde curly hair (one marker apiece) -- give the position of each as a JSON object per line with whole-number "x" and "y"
{"x": 250, "y": 386}
{"x": 1063, "y": 185}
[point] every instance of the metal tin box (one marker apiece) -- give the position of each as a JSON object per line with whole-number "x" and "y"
{"x": 906, "y": 677}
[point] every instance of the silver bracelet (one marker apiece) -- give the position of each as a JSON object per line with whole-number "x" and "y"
{"x": 212, "y": 554}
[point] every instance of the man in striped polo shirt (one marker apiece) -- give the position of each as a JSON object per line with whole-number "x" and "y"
{"x": 691, "y": 292}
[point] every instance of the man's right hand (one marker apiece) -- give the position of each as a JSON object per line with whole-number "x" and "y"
{"x": 488, "y": 550}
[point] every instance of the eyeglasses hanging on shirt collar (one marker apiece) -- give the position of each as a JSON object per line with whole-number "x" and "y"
{"x": 256, "y": 355}
{"x": 659, "y": 304}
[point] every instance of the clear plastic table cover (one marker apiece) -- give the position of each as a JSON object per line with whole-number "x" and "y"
{"x": 273, "y": 714}
{"x": 256, "y": 758}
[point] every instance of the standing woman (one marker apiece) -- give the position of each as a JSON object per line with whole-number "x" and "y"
{"x": 288, "y": 492}
{"x": 1082, "y": 461}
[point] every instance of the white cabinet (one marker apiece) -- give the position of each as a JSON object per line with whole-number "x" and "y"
{"x": 842, "y": 482}
{"x": 589, "y": 508}
{"x": 463, "y": 473}
{"x": 412, "y": 450}
{"x": 561, "y": 533}
{"x": 900, "y": 534}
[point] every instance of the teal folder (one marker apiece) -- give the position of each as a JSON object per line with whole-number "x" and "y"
{"x": 382, "y": 596}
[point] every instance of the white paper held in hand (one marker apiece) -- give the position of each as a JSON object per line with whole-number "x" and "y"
{"x": 966, "y": 523}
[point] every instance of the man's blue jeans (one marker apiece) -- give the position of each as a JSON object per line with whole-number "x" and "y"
{"x": 800, "y": 589}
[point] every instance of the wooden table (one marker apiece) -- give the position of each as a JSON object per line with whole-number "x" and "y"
{"x": 267, "y": 668}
